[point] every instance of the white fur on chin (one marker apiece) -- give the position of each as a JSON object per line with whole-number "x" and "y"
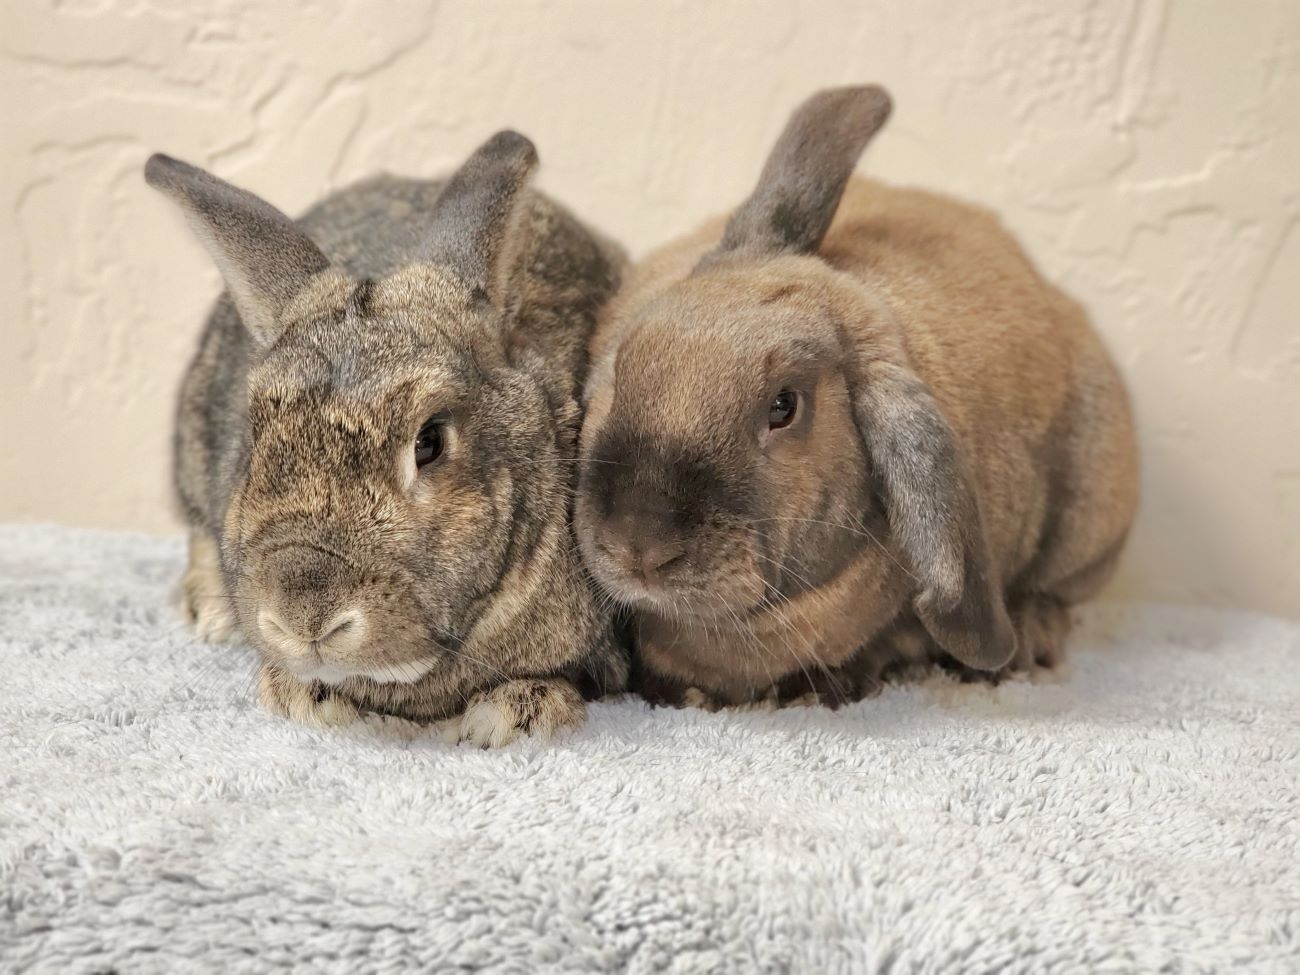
{"x": 388, "y": 674}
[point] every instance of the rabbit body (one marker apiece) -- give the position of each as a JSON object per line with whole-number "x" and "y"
{"x": 964, "y": 473}
{"x": 398, "y": 315}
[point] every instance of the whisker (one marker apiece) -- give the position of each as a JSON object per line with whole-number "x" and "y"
{"x": 482, "y": 663}
{"x": 860, "y": 530}
{"x": 785, "y": 568}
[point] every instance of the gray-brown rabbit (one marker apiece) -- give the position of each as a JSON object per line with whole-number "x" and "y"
{"x": 375, "y": 446}
{"x": 847, "y": 428}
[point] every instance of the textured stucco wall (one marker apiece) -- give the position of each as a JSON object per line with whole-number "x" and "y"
{"x": 1148, "y": 153}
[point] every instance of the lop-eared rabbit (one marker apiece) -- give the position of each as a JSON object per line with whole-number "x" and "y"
{"x": 846, "y": 428}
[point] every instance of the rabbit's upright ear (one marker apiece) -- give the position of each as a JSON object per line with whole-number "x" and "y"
{"x": 934, "y": 515}
{"x": 474, "y": 215}
{"x": 265, "y": 259}
{"x": 801, "y": 184}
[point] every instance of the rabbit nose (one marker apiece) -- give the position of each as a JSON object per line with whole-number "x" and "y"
{"x": 307, "y": 608}
{"x": 339, "y": 634}
{"x": 659, "y": 554}
{"x": 642, "y": 549}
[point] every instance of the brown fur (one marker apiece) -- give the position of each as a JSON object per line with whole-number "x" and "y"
{"x": 964, "y": 457}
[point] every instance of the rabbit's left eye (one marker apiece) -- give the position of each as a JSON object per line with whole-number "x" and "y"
{"x": 781, "y": 412}
{"x": 430, "y": 441}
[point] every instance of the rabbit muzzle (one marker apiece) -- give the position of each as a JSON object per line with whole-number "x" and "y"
{"x": 311, "y": 614}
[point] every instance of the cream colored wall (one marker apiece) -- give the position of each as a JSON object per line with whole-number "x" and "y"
{"x": 1148, "y": 153}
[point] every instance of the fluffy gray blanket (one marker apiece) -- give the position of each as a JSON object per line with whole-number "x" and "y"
{"x": 1136, "y": 814}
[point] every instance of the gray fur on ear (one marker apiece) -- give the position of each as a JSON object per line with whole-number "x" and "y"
{"x": 799, "y": 190}
{"x": 473, "y": 217}
{"x": 265, "y": 259}
{"x": 934, "y": 517}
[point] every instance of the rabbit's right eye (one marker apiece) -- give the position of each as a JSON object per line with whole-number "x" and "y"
{"x": 429, "y": 443}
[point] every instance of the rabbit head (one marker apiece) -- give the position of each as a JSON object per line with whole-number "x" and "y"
{"x": 755, "y": 431}
{"x": 401, "y": 460}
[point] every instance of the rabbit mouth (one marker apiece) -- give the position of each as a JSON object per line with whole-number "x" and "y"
{"x": 630, "y": 591}
{"x": 671, "y": 598}
{"x": 403, "y": 673}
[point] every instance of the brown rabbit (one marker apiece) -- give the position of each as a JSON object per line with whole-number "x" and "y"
{"x": 818, "y": 447}
{"x": 376, "y": 441}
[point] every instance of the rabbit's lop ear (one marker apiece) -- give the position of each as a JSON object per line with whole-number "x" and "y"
{"x": 475, "y": 212}
{"x": 791, "y": 209}
{"x": 934, "y": 516}
{"x": 265, "y": 259}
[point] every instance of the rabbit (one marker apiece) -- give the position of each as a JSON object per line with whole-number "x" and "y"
{"x": 847, "y": 429}
{"x": 375, "y": 447}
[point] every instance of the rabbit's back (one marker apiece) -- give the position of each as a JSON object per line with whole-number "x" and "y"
{"x": 1023, "y": 378}
{"x": 562, "y": 271}
{"x": 375, "y": 226}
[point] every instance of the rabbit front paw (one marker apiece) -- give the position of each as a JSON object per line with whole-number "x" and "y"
{"x": 542, "y": 707}
{"x": 315, "y": 704}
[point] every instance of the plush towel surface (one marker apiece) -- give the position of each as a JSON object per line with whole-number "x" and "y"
{"x": 1138, "y": 813}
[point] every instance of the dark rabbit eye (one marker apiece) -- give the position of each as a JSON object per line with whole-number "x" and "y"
{"x": 783, "y": 409}
{"x": 429, "y": 442}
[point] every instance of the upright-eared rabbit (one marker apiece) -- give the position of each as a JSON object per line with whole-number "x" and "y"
{"x": 375, "y": 446}
{"x": 849, "y": 427}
